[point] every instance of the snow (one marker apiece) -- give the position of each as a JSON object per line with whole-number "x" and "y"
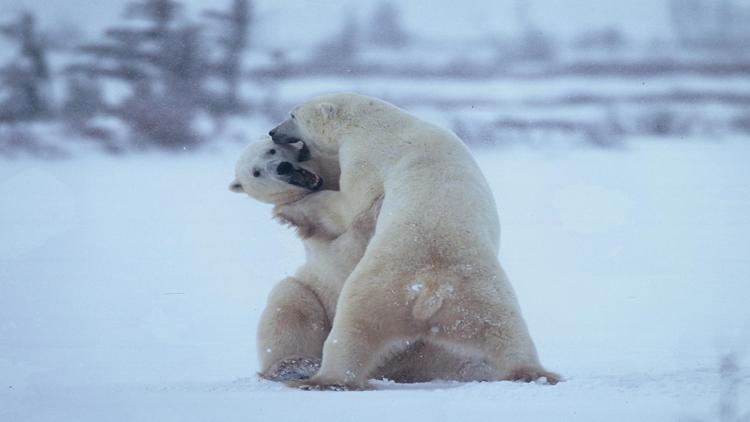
{"x": 130, "y": 289}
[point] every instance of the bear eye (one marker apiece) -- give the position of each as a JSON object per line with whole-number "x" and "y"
{"x": 293, "y": 116}
{"x": 272, "y": 151}
{"x": 256, "y": 173}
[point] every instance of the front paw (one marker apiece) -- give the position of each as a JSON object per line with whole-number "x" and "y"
{"x": 537, "y": 375}
{"x": 318, "y": 383}
{"x": 322, "y": 385}
{"x": 294, "y": 369}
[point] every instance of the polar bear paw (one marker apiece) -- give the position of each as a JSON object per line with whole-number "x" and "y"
{"x": 292, "y": 369}
{"x": 321, "y": 385}
{"x": 537, "y": 375}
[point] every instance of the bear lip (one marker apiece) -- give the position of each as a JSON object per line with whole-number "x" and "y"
{"x": 281, "y": 139}
{"x": 305, "y": 179}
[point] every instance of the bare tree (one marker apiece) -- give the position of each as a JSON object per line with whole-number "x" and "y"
{"x": 164, "y": 64}
{"x": 26, "y": 79}
{"x": 234, "y": 26}
{"x": 83, "y": 99}
{"x": 342, "y": 49}
{"x": 711, "y": 23}
{"x": 532, "y": 44}
{"x": 386, "y": 29}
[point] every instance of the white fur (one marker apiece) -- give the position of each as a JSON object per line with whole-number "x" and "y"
{"x": 437, "y": 230}
{"x": 300, "y": 309}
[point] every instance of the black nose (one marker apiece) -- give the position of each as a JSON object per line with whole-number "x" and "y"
{"x": 272, "y": 132}
{"x": 284, "y": 168}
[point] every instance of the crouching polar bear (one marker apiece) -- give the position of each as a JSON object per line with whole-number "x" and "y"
{"x": 430, "y": 271}
{"x": 300, "y": 309}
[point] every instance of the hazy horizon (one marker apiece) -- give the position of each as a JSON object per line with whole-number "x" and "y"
{"x": 441, "y": 19}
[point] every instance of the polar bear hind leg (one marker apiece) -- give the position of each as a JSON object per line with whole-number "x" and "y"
{"x": 475, "y": 325}
{"x": 291, "y": 332}
{"x": 374, "y": 321}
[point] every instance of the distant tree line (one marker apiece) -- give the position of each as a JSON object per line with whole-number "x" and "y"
{"x": 155, "y": 73}
{"x": 161, "y": 78}
{"x": 723, "y": 24}
{"x": 167, "y": 69}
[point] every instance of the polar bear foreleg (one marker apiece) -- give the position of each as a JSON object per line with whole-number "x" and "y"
{"x": 319, "y": 214}
{"x": 370, "y": 326}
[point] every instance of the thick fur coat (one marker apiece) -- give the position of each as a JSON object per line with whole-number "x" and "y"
{"x": 430, "y": 272}
{"x": 300, "y": 309}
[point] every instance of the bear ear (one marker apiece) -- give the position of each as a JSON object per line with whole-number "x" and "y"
{"x": 328, "y": 110}
{"x": 236, "y": 186}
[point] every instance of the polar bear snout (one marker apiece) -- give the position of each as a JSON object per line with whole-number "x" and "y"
{"x": 284, "y": 168}
{"x": 288, "y": 172}
{"x": 282, "y": 139}
{"x": 285, "y": 133}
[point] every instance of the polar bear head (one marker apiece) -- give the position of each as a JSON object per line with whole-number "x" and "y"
{"x": 322, "y": 122}
{"x": 279, "y": 174}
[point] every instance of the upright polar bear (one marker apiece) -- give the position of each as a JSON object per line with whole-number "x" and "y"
{"x": 430, "y": 271}
{"x": 301, "y": 308}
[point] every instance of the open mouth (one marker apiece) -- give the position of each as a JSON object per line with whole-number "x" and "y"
{"x": 306, "y": 179}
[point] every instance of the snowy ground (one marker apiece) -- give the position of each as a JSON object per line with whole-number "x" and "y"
{"x": 130, "y": 289}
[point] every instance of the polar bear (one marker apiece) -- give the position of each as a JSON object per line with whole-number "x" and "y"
{"x": 296, "y": 319}
{"x": 301, "y": 308}
{"x": 430, "y": 272}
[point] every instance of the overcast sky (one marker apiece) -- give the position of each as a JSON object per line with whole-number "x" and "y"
{"x": 282, "y": 22}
